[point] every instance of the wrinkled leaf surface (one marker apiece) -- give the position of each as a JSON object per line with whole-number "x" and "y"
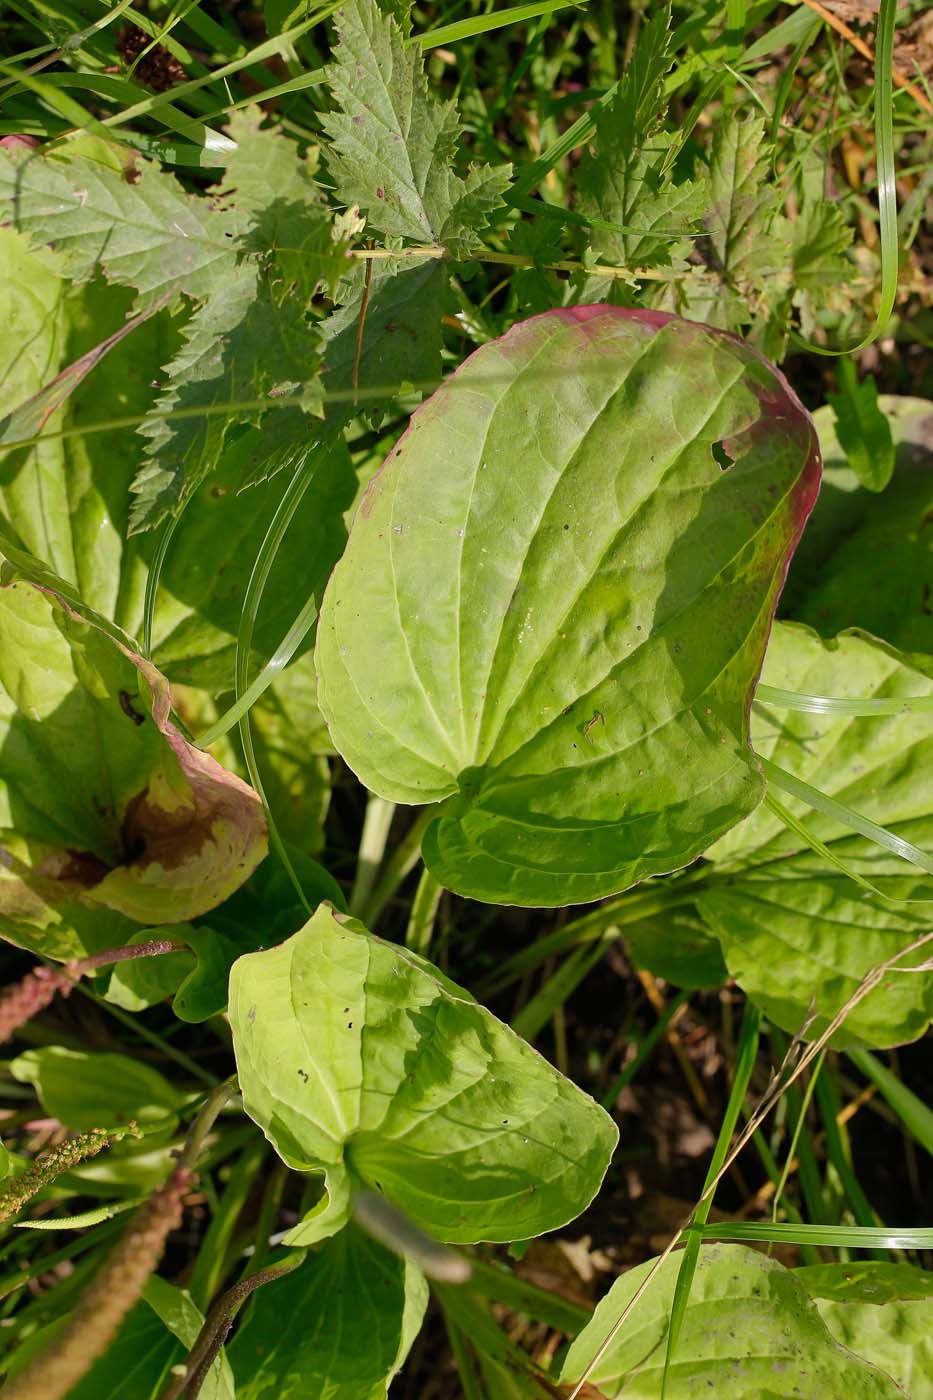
{"x": 555, "y": 600}
{"x": 792, "y": 927}
{"x": 361, "y": 1061}
{"x": 750, "y": 1330}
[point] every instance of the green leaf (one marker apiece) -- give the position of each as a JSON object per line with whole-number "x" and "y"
{"x": 82, "y": 1221}
{"x": 626, "y": 180}
{"x": 154, "y": 1337}
{"x": 866, "y": 1281}
{"x": 394, "y": 144}
{"x": 103, "y": 803}
{"x": 401, "y": 342}
{"x": 143, "y": 232}
{"x": 142, "y": 982}
{"x": 239, "y": 347}
{"x": 292, "y": 743}
{"x": 678, "y": 947}
{"x": 558, "y": 587}
{"x": 360, "y": 1060}
{"x": 863, "y": 431}
{"x": 867, "y": 560}
{"x": 203, "y": 993}
{"x": 87, "y": 1090}
{"x": 749, "y": 1330}
{"x": 270, "y": 180}
{"x": 340, "y": 1325}
{"x": 743, "y": 205}
{"x": 796, "y": 931}
{"x": 895, "y": 1336}
{"x": 67, "y": 500}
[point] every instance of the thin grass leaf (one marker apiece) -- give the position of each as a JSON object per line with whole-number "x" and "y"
{"x": 484, "y": 24}
{"x": 746, "y": 1055}
{"x": 829, "y": 705}
{"x": 795, "y": 787}
{"x": 916, "y": 1116}
{"x": 829, "y": 1236}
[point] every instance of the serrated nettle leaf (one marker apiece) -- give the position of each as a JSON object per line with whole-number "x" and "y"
{"x": 624, "y": 180}
{"x": 401, "y": 335}
{"x": 796, "y": 932}
{"x": 750, "y": 1330}
{"x": 102, "y": 802}
{"x": 340, "y": 1325}
{"x": 269, "y": 179}
{"x": 141, "y": 231}
{"x": 238, "y": 347}
{"x": 394, "y": 143}
{"x": 554, "y": 603}
{"x": 866, "y": 560}
{"x": 744, "y": 203}
{"x": 67, "y": 500}
{"x": 86, "y": 1090}
{"x": 633, "y": 192}
{"x": 361, "y": 1061}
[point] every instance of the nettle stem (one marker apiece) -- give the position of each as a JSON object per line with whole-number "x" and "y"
{"x": 118, "y": 1284}
{"x": 490, "y": 255}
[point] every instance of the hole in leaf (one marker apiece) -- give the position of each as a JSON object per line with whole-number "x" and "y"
{"x": 721, "y": 456}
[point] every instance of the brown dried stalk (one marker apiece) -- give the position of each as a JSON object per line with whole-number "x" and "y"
{"x": 115, "y": 1288}
{"x": 119, "y": 1282}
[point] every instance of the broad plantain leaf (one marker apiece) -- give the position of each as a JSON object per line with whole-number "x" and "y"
{"x": 139, "y": 983}
{"x": 795, "y": 931}
{"x": 338, "y": 1328}
{"x": 102, "y": 802}
{"x": 867, "y": 560}
{"x": 292, "y": 744}
{"x": 86, "y": 1090}
{"x": 360, "y": 1060}
{"x": 555, "y": 600}
{"x": 750, "y": 1330}
{"x": 393, "y": 143}
{"x": 67, "y": 500}
{"x": 677, "y": 946}
{"x": 866, "y": 1281}
{"x": 894, "y": 1333}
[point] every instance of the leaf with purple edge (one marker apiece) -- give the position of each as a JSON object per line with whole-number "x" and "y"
{"x": 556, "y": 597}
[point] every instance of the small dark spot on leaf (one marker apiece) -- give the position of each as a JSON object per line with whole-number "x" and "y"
{"x": 380, "y": 192}
{"x": 303, "y": 1074}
